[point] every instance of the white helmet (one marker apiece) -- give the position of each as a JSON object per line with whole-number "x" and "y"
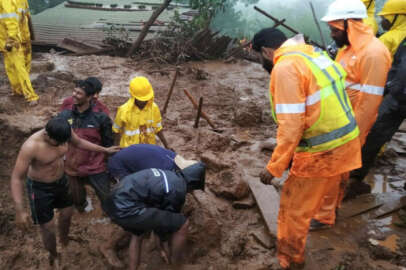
{"x": 345, "y": 9}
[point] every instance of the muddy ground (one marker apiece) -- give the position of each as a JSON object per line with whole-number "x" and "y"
{"x": 227, "y": 230}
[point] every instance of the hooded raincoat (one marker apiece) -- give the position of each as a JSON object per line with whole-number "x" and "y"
{"x": 312, "y": 175}
{"x": 14, "y": 60}
{"x": 371, "y": 21}
{"x": 367, "y": 62}
{"x": 23, "y": 18}
{"x": 135, "y": 125}
{"x": 396, "y": 34}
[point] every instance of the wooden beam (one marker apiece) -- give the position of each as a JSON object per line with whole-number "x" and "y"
{"x": 170, "y": 91}
{"x": 267, "y": 199}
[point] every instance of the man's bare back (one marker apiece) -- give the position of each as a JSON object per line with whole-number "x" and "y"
{"x": 47, "y": 164}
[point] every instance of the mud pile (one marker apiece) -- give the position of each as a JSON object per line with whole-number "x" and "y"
{"x": 227, "y": 230}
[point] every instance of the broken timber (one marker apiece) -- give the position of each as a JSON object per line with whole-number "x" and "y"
{"x": 283, "y": 24}
{"x": 204, "y": 115}
{"x": 199, "y": 112}
{"x": 145, "y": 29}
{"x": 267, "y": 199}
{"x": 76, "y": 46}
{"x": 170, "y": 90}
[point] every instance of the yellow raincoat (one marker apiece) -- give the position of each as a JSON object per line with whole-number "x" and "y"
{"x": 24, "y": 17}
{"x": 14, "y": 59}
{"x": 396, "y": 34}
{"x": 371, "y": 21}
{"x": 137, "y": 126}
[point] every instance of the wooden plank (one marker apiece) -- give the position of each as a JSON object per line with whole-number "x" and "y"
{"x": 359, "y": 205}
{"x": 392, "y": 204}
{"x": 76, "y": 46}
{"x": 267, "y": 199}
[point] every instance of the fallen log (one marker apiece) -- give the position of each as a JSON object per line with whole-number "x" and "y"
{"x": 76, "y": 46}
{"x": 204, "y": 115}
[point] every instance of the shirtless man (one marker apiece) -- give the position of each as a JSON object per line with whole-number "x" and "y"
{"x": 41, "y": 161}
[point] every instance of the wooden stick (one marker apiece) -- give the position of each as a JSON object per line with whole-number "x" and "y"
{"x": 283, "y": 24}
{"x": 170, "y": 91}
{"x": 318, "y": 26}
{"x": 199, "y": 112}
{"x": 204, "y": 115}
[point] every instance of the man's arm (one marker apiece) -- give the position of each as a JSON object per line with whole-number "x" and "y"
{"x": 161, "y": 136}
{"x": 289, "y": 100}
{"x": 17, "y": 179}
{"x": 81, "y": 143}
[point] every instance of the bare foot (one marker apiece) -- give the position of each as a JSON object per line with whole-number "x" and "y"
{"x": 33, "y": 103}
{"x": 111, "y": 257}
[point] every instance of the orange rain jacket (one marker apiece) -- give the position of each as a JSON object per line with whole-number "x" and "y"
{"x": 367, "y": 62}
{"x": 291, "y": 83}
{"x": 313, "y": 175}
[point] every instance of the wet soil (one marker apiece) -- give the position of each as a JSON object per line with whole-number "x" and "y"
{"x": 227, "y": 230}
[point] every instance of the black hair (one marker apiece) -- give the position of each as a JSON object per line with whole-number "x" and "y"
{"x": 269, "y": 38}
{"x": 96, "y": 83}
{"x": 87, "y": 87}
{"x": 59, "y": 130}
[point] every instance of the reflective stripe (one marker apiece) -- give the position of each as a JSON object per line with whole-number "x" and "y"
{"x": 8, "y": 15}
{"x": 137, "y": 132}
{"x": 116, "y": 126}
{"x": 370, "y": 89}
{"x": 327, "y": 137}
{"x": 24, "y": 10}
{"x": 290, "y": 108}
{"x": 166, "y": 181}
{"x": 313, "y": 98}
{"x": 159, "y": 125}
{"x": 150, "y": 121}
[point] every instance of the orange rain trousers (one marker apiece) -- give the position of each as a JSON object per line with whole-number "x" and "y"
{"x": 295, "y": 216}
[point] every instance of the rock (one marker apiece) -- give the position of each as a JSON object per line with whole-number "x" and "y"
{"x": 230, "y": 185}
{"x": 42, "y": 66}
{"x": 213, "y": 162}
{"x": 247, "y": 113}
{"x": 210, "y": 140}
{"x": 247, "y": 203}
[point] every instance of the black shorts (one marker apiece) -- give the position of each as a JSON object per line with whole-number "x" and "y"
{"x": 45, "y": 197}
{"x": 161, "y": 222}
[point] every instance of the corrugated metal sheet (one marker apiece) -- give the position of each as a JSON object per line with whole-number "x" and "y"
{"x": 93, "y": 26}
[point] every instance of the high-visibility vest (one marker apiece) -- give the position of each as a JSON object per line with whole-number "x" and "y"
{"x": 336, "y": 124}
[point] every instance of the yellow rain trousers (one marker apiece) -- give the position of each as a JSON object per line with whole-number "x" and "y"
{"x": 14, "y": 60}
{"x": 371, "y": 21}
{"x": 135, "y": 125}
{"x": 312, "y": 175}
{"x": 396, "y": 34}
{"x": 367, "y": 62}
{"x": 24, "y": 17}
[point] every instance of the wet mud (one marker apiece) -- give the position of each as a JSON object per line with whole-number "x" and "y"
{"x": 227, "y": 230}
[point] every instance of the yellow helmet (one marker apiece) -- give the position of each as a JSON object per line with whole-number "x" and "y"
{"x": 393, "y": 7}
{"x": 141, "y": 89}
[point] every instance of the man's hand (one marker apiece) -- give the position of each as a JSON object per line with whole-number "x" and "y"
{"x": 22, "y": 220}
{"x": 266, "y": 177}
{"x": 112, "y": 149}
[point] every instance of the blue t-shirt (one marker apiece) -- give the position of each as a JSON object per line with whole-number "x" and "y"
{"x": 138, "y": 157}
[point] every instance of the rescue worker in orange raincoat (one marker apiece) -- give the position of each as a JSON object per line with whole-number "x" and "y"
{"x": 11, "y": 47}
{"x": 367, "y": 62}
{"x": 317, "y": 134}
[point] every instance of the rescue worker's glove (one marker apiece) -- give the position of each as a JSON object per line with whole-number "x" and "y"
{"x": 11, "y": 43}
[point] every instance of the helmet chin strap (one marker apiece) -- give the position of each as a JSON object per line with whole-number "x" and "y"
{"x": 369, "y": 5}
